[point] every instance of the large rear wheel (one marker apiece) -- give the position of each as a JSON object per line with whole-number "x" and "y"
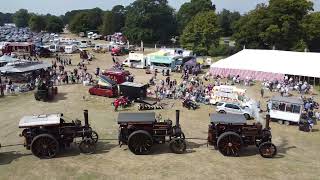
{"x": 44, "y": 146}
{"x": 229, "y": 144}
{"x": 140, "y": 142}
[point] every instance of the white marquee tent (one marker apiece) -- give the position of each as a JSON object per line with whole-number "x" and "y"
{"x": 268, "y": 64}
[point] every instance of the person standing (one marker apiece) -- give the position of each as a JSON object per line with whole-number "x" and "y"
{"x": 155, "y": 74}
{"x": 269, "y": 106}
{"x": 97, "y": 71}
{"x": 1, "y": 88}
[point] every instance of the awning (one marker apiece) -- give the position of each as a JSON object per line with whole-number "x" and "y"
{"x": 105, "y": 81}
{"x": 25, "y": 66}
{"x": 7, "y": 59}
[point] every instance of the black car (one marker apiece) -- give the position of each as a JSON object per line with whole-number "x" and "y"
{"x": 190, "y": 104}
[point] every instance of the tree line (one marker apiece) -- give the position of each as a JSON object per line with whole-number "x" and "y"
{"x": 282, "y": 24}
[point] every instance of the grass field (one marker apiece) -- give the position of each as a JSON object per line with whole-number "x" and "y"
{"x": 298, "y": 152}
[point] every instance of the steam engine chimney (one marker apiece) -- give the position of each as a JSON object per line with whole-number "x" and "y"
{"x": 86, "y": 121}
{"x": 177, "y": 117}
{"x": 267, "y": 121}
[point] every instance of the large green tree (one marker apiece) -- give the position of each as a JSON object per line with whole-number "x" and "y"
{"x": 150, "y": 21}
{"x": 226, "y": 20}
{"x": 202, "y": 33}
{"x": 108, "y": 23}
{"x": 37, "y": 23}
{"x": 21, "y": 18}
{"x": 113, "y": 21}
{"x": 5, "y": 18}
{"x": 119, "y": 17}
{"x": 188, "y": 10}
{"x": 85, "y": 20}
{"x": 68, "y": 16}
{"x": 249, "y": 28}
{"x": 54, "y": 24}
{"x": 279, "y": 24}
{"x": 80, "y": 23}
{"x": 311, "y": 28}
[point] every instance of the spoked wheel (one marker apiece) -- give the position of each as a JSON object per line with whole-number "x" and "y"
{"x": 257, "y": 143}
{"x": 267, "y": 150}
{"x": 94, "y": 136}
{"x": 140, "y": 142}
{"x": 183, "y": 136}
{"x": 87, "y": 146}
{"x": 229, "y": 144}
{"x": 178, "y": 145}
{"x": 36, "y": 97}
{"x": 44, "y": 146}
{"x": 247, "y": 116}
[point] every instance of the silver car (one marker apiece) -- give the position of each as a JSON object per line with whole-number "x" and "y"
{"x": 233, "y": 108}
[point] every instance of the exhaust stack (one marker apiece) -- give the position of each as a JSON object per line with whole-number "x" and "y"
{"x": 86, "y": 120}
{"x": 268, "y": 121}
{"x": 177, "y": 117}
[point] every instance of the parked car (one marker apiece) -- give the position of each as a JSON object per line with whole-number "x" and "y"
{"x": 233, "y": 108}
{"x": 104, "y": 91}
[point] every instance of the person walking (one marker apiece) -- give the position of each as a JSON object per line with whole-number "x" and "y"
{"x": 262, "y": 92}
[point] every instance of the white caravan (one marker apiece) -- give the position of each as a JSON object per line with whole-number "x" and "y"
{"x": 286, "y": 109}
{"x": 136, "y": 60}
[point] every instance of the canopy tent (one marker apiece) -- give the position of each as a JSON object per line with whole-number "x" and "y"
{"x": 158, "y": 53}
{"x": 268, "y": 64}
{"x": 7, "y": 59}
{"x": 105, "y": 81}
{"x": 24, "y": 66}
{"x": 191, "y": 63}
{"x": 161, "y": 59}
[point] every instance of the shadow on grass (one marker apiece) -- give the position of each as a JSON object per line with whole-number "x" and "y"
{"x": 101, "y": 148}
{"x": 8, "y": 157}
{"x": 282, "y": 150}
{"x": 59, "y": 97}
{"x": 158, "y": 149}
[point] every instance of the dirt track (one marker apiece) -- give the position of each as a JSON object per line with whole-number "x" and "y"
{"x": 297, "y": 158}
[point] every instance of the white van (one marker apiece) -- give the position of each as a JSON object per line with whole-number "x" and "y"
{"x": 286, "y": 109}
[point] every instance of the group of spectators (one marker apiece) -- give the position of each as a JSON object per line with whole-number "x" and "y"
{"x": 310, "y": 108}
{"x": 192, "y": 88}
{"x": 233, "y": 80}
{"x": 59, "y": 75}
{"x": 288, "y": 84}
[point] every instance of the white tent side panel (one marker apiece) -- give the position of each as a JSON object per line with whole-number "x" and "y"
{"x": 268, "y": 64}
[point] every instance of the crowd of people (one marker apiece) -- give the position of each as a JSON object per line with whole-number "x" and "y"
{"x": 288, "y": 84}
{"x": 56, "y": 75}
{"x": 192, "y": 88}
{"x": 59, "y": 75}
